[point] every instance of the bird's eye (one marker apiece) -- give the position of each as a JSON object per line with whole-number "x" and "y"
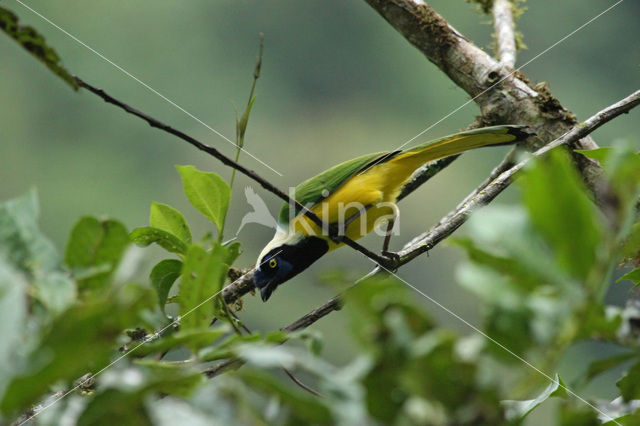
{"x": 273, "y": 263}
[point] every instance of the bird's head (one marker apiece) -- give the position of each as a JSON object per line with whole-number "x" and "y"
{"x": 285, "y": 257}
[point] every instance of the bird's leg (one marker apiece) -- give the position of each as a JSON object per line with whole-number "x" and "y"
{"x": 392, "y": 256}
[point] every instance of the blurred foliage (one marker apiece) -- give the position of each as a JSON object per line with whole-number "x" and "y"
{"x": 540, "y": 296}
{"x": 81, "y": 346}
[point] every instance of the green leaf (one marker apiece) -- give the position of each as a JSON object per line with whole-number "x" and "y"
{"x": 631, "y": 245}
{"x": 562, "y": 211}
{"x": 602, "y": 365}
{"x": 267, "y": 356}
{"x": 601, "y": 155}
{"x": 633, "y": 276}
{"x": 114, "y": 406}
{"x": 162, "y": 277}
{"x": 122, "y": 395}
{"x": 13, "y": 315}
{"x": 203, "y": 275}
{"x": 207, "y": 192}
{"x": 520, "y": 272}
{"x": 629, "y": 385}
{"x": 225, "y": 349}
{"x": 99, "y": 244}
{"x": 79, "y": 341}
{"x": 147, "y": 235}
{"x": 503, "y": 239}
{"x": 582, "y": 415}
{"x": 515, "y": 410}
{"x": 305, "y": 407}
{"x": 55, "y": 290}
{"x": 192, "y": 338}
{"x": 234, "y": 250}
{"x": 169, "y": 378}
{"x": 35, "y": 44}
{"x": 21, "y": 242}
{"x": 171, "y": 220}
{"x": 241, "y": 123}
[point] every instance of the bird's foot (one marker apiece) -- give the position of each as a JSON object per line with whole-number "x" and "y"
{"x": 336, "y": 233}
{"x": 391, "y": 260}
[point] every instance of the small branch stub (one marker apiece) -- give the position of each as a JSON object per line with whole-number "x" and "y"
{"x": 505, "y": 32}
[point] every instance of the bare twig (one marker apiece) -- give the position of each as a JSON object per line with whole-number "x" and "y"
{"x": 333, "y": 304}
{"x": 153, "y": 122}
{"x": 504, "y": 30}
{"x": 424, "y": 174}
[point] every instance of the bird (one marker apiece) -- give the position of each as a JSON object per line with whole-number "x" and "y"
{"x": 260, "y": 213}
{"x": 353, "y": 197}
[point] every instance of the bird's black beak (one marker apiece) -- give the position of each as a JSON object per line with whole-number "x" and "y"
{"x": 265, "y": 292}
{"x": 264, "y": 284}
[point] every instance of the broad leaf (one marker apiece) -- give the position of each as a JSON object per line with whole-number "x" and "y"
{"x": 79, "y": 341}
{"x": 203, "y": 275}
{"x": 601, "y": 154}
{"x": 116, "y": 407}
{"x": 520, "y": 409}
{"x": 162, "y": 277}
{"x": 208, "y": 193}
{"x": 192, "y": 338}
{"x": 55, "y": 290}
{"x": 13, "y": 313}
{"x": 122, "y": 395}
{"x": 629, "y": 385}
{"x": 561, "y": 210}
{"x": 602, "y": 365}
{"x": 24, "y": 246}
{"x": 633, "y": 276}
{"x": 21, "y": 241}
{"x": 148, "y": 235}
{"x": 171, "y": 220}
{"x": 306, "y": 408}
{"x": 96, "y": 244}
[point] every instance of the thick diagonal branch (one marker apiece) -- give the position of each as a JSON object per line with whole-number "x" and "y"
{"x": 503, "y": 95}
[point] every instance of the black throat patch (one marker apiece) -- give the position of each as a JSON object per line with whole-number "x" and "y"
{"x": 304, "y": 253}
{"x": 292, "y": 259}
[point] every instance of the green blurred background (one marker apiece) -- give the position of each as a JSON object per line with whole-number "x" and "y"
{"x": 337, "y": 82}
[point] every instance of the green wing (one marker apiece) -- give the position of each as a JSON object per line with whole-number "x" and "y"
{"x": 309, "y": 192}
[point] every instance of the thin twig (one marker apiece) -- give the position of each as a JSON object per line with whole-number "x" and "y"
{"x": 504, "y": 30}
{"x": 230, "y": 163}
{"x": 286, "y": 371}
{"x": 334, "y": 304}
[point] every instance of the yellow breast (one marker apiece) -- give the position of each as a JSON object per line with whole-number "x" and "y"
{"x": 376, "y": 189}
